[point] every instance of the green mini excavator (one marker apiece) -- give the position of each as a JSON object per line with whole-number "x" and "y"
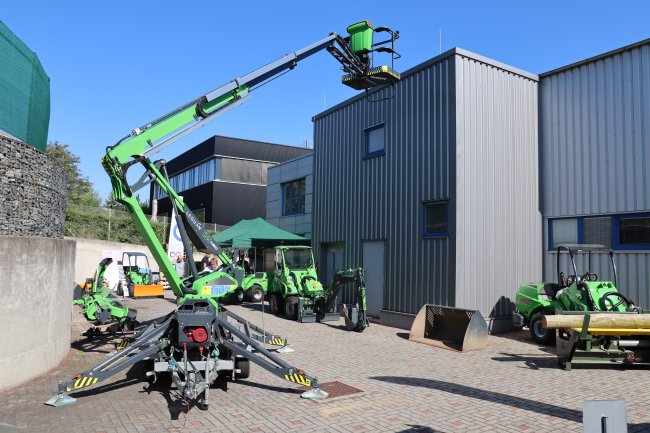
{"x": 200, "y": 338}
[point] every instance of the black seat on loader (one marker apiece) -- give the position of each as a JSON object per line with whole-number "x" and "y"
{"x": 548, "y": 291}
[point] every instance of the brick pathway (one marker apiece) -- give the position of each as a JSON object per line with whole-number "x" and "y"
{"x": 513, "y": 385}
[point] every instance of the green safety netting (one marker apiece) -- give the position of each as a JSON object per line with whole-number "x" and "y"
{"x": 24, "y": 91}
{"x": 257, "y": 233}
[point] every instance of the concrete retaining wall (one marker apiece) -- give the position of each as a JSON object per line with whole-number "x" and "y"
{"x": 37, "y": 283}
{"x": 89, "y": 253}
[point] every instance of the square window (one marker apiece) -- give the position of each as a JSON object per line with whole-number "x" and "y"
{"x": 435, "y": 218}
{"x": 375, "y": 141}
{"x": 564, "y": 231}
{"x": 598, "y": 231}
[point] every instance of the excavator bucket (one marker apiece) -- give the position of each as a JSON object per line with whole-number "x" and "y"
{"x": 450, "y": 328}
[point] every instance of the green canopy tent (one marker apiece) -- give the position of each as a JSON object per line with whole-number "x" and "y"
{"x": 257, "y": 233}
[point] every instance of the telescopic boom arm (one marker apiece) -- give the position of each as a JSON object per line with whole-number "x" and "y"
{"x": 144, "y": 142}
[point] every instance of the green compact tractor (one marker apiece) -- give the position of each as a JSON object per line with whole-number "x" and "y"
{"x": 98, "y": 307}
{"x": 295, "y": 290}
{"x": 253, "y": 284}
{"x": 573, "y": 292}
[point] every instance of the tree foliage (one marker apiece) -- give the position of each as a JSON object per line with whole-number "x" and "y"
{"x": 110, "y": 202}
{"x": 80, "y": 189}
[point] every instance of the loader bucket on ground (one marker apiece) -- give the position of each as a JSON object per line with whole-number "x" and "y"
{"x": 450, "y": 328}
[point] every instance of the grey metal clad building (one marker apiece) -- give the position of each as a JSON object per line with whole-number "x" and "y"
{"x": 431, "y": 185}
{"x": 289, "y": 195}
{"x": 595, "y": 159}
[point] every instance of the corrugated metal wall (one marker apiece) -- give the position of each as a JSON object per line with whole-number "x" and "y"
{"x": 498, "y": 219}
{"x": 595, "y": 153}
{"x": 380, "y": 198}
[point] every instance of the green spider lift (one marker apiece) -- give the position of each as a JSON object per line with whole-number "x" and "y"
{"x": 201, "y": 339}
{"x": 99, "y": 308}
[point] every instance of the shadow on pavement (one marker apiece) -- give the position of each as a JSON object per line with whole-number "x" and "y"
{"x": 530, "y": 361}
{"x": 491, "y": 396}
{"x": 254, "y": 307}
{"x": 419, "y": 429}
{"x": 270, "y": 387}
{"x": 337, "y": 327}
{"x": 162, "y": 386}
{"x": 96, "y": 344}
{"x": 404, "y": 335}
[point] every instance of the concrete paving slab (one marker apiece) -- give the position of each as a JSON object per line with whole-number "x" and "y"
{"x": 513, "y": 385}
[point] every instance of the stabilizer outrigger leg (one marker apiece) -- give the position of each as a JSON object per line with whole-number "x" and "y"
{"x": 259, "y": 334}
{"x": 268, "y": 361}
{"x": 193, "y": 344}
{"x": 149, "y": 343}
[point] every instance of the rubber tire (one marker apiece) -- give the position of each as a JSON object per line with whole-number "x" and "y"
{"x": 239, "y": 296}
{"x": 255, "y": 294}
{"x": 539, "y": 334}
{"x": 291, "y": 308}
{"x": 244, "y": 365}
{"x": 275, "y": 304}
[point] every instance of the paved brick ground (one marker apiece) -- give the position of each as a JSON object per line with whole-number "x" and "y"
{"x": 513, "y": 385}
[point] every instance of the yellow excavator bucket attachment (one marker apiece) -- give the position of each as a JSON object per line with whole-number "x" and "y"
{"x": 449, "y": 328}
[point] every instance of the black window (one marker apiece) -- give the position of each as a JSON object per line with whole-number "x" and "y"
{"x": 293, "y": 197}
{"x": 634, "y": 231}
{"x": 375, "y": 141}
{"x": 435, "y": 218}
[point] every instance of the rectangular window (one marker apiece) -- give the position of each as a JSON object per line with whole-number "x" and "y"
{"x": 241, "y": 171}
{"x": 375, "y": 141}
{"x": 435, "y": 218}
{"x": 293, "y": 197}
{"x": 564, "y": 231}
{"x": 598, "y": 231}
{"x": 634, "y": 231}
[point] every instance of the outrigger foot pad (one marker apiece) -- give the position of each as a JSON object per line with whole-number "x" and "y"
{"x": 285, "y": 349}
{"x": 314, "y": 394}
{"x": 60, "y": 399}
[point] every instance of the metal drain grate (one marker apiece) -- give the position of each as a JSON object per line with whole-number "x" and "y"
{"x": 337, "y": 389}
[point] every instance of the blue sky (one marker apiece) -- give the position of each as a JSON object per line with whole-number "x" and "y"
{"x": 117, "y": 65}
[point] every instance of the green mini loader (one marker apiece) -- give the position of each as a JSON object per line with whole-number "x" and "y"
{"x": 295, "y": 290}
{"x": 574, "y": 292}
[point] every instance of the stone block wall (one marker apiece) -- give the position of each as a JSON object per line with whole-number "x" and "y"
{"x": 32, "y": 191}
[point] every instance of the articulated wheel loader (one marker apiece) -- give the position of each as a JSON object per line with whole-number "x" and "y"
{"x": 295, "y": 290}
{"x": 98, "y": 308}
{"x": 201, "y": 339}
